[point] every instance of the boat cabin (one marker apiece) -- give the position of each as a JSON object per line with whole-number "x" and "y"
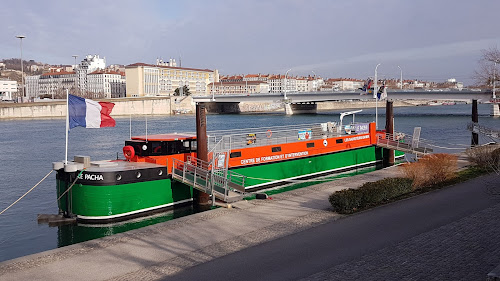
{"x": 159, "y": 148}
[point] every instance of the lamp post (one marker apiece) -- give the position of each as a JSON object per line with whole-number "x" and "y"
{"x": 494, "y": 79}
{"x": 314, "y": 82}
{"x": 22, "y": 68}
{"x": 401, "y": 77}
{"x": 375, "y": 90}
{"x": 285, "y": 82}
{"x": 76, "y": 76}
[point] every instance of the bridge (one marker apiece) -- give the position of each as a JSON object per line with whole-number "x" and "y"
{"x": 307, "y": 101}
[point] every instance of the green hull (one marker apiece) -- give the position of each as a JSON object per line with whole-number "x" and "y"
{"x": 260, "y": 175}
{"x": 111, "y": 202}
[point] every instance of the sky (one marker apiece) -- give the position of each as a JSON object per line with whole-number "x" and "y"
{"x": 430, "y": 40}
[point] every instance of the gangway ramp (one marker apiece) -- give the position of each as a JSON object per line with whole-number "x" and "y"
{"x": 222, "y": 184}
{"x": 404, "y": 143}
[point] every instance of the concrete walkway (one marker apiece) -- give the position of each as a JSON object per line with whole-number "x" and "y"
{"x": 162, "y": 250}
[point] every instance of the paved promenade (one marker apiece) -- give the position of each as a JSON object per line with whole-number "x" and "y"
{"x": 168, "y": 250}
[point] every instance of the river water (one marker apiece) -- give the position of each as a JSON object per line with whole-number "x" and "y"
{"x": 28, "y": 147}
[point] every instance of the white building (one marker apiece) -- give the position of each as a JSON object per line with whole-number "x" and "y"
{"x": 301, "y": 84}
{"x": 7, "y": 88}
{"x": 32, "y": 86}
{"x": 89, "y": 64}
{"x": 344, "y": 84}
{"x": 54, "y": 84}
{"x": 277, "y": 84}
{"x": 108, "y": 84}
{"x": 314, "y": 84}
{"x": 238, "y": 88}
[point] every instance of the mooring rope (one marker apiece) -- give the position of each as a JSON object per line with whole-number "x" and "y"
{"x": 57, "y": 200}
{"x": 26, "y": 192}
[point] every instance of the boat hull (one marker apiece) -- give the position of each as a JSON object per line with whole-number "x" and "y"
{"x": 105, "y": 203}
{"x": 271, "y": 174}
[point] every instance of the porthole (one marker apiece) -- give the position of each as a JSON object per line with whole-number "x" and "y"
{"x": 144, "y": 147}
{"x": 138, "y": 174}
{"x": 118, "y": 177}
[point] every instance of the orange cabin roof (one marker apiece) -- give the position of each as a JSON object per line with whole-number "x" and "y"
{"x": 166, "y": 137}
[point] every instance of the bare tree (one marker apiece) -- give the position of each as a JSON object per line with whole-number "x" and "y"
{"x": 488, "y": 67}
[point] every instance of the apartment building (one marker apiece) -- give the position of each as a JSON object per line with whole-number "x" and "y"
{"x": 162, "y": 80}
{"x": 344, "y": 84}
{"x": 301, "y": 84}
{"x": 54, "y": 84}
{"x": 278, "y": 84}
{"x": 32, "y": 86}
{"x": 88, "y": 65}
{"x": 7, "y": 89}
{"x": 256, "y": 77}
{"x": 107, "y": 83}
{"x": 238, "y": 88}
{"x": 314, "y": 84}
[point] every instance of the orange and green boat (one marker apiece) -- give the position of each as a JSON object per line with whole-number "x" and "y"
{"x": 160, "y": 171}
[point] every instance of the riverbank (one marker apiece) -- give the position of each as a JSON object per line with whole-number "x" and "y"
{"x": 172, "y": 247}
{"x": 157, "y": 106}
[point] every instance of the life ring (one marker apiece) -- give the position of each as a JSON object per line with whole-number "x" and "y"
{"x": 269, "y": 134}
{"x": 128, "y": 152}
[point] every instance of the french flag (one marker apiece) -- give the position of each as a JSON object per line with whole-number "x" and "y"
{"x": 88, "y": 113}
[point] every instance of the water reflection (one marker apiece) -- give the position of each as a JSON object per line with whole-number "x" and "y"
{"x": 76, "y": 233}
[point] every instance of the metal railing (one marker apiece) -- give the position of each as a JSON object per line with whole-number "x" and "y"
{"x": 202, "y": 175}
{"x": 234, "y": 139}
{"x": 404, "y": 142}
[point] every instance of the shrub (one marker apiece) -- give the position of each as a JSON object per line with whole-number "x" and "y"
{"x": 369, "y": 194}
{"x": 431, "y": 169}
{"x": 486, "y": 156}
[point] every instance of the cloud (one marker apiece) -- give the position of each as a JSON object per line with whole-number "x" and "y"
{"x": 413, "y": 54}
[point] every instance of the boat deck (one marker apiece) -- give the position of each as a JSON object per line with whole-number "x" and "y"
{"x": 119, "y": 165}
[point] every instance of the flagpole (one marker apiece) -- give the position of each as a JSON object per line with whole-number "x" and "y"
{"x": 375, "y": 92}
{"x": 67, "y": 125}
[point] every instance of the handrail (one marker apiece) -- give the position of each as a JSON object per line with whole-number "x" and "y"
{"x": 285, "y": 134}
{"x": 403, "y": 142}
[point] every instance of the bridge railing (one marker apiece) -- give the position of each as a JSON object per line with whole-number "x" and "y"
{"x": 233, "y": 139}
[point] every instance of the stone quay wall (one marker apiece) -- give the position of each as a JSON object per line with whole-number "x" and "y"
{"x": 123, "y": 107}
{"x": 174, "y": 105}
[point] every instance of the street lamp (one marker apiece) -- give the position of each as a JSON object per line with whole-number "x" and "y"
{"x": 314, "y": 82}
{"x": 494, "y": 79}
{"x": 76, "y": 76}
{"x": 401, "y": 77}
{"x": 375, "y": 90}
{"x": 22, "y": 68}
{"x": 285, "y": 82}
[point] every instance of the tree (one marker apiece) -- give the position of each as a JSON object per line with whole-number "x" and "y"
{"x": 488, "y": 67}
{"x": 185, "y": 91}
